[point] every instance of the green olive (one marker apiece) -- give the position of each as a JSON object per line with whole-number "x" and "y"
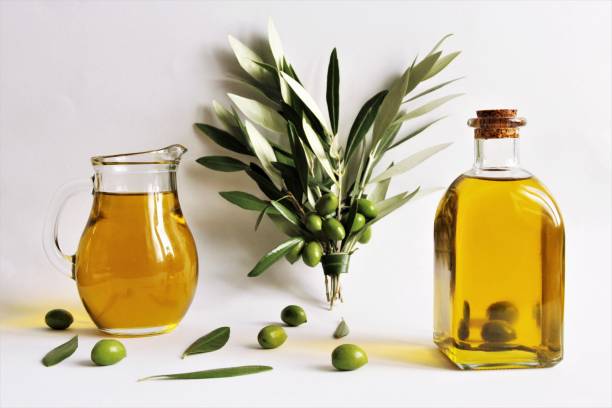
{"x": 333, "y": 229}
{"x": 313, "y": 223}
{"x": 107, "y": 352}
{"x": 327, "y": 204}
{"x": 358, "y": 222}
{"x": 293, "y": 315}
{"x": 366, "y": 235}
{"x": 312, "y": 253}
{"x": 271, "y": 336}
{"x": 497, "y": 331}
{"x": 348, "y": 357}
{"x": 294, "y": 254}
{"x": 367, "y": 208}
{"x": 466, "y": 310}
{"x": 502, "y": 311}
{"x": 464, "y": 329}
{"x": 58, "y": 319}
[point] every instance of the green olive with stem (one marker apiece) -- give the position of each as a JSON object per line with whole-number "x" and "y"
{"x": 295, "y": 252}
{"x": 366, "y": 235}
{"x": 312, "y": 253}
{"x": 358, "y": 222}
{"x": 333, "y": 229}
{"x": 367, "y": 208}
{"x": 327, "y": 204}
{"x": 313, "y": 223}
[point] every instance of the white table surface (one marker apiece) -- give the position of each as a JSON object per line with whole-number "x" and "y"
{"x": 85, "y": 78}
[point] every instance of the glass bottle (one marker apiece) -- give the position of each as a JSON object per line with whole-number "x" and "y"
{"x": 499, "y": 258}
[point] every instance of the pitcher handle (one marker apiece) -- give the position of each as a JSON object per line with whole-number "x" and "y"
{"x": 61, "y": 261}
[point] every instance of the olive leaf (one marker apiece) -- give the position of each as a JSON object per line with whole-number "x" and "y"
{"x": 389, "y": 205}
{"x": 363, "y": 122}
{"x": 342, "y": 330}
{"x": 305, "y": 97}
{"x": 380, "y": 190}
{"x": 286, "y": 227}
{"x": 390, "y": 105}
{"x": 432, "y": 89}
{"x": 286, "y": 213}
{"x": 317, "y": 148}
{"x": 264, "y": 152}
{"x": 61, "y": 352}
{"x": 260, "y": 114}
{"x": 410, "y": 162}
{"x": 210, "y": 342}
{"x": 222, "y": 163}
{"x": 275, "y": 44}
{"x": 209, "y": 374}
{"x": 263, "y": 181}
{"x": 274, "y": 255}
{"x": 442, "y": 63}
{"x": 420, "y": 71}
{"x": 439, "y": 43}
{"x": 246, "y": 201}
{"x": 225, "y": 116}
{"x": 223, "y": 138}
{"x": 426, "y": 108}
{"x": 299, "y": 155}
{"x": 247, "y": 58}
{"x": 414, "y": 133}
{"x": 333, "y": 89}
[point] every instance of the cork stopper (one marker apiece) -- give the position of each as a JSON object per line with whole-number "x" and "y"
{"x": 496, "y": 124}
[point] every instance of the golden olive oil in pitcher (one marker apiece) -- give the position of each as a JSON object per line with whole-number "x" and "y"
{"x": 144, "y": 240}
{"x": 499, "y": 259}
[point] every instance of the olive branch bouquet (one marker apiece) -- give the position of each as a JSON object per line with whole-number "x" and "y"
{"x": 320, "y": 192}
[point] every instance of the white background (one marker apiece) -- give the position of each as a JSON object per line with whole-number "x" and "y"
{"x": 84, "y": 78}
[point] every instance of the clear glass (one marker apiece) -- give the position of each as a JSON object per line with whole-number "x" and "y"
{"x": 499, "y": 265}
{"x": 136, "y": 264}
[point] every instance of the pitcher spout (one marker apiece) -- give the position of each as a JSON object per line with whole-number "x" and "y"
{"x": 168, "y": 155}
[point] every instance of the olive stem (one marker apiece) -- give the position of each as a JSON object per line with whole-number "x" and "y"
{"x": 326, "y": 288}
{"x": 296, "y": 204}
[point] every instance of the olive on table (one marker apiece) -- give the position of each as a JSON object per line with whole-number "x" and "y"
{"x": 366, "y": 235}
{"x": 312, "y": 253}
{"x": 271, "y": 336}
{"x": 293, "y": 315}
{"x": 107, "y": 352}
{"x": 367, "y": 208}
{"x": 497, "y": 331}
{"x": 59, "y": 319}
{"x": 348, "y": 357}
{"x": 503, "y": 311}
{"x": 313, "y": 223}
{"x": 333, "y": 229}
{"x": 294, "y": 254}
{"x": 327, "y": 204}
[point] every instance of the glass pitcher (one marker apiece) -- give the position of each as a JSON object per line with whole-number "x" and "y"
{"x": 136, "y": 265}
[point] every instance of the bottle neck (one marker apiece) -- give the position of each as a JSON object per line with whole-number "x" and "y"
{"x": 496, "y": 154}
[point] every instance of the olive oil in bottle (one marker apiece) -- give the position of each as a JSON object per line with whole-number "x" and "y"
{"x": 499, "y": 258}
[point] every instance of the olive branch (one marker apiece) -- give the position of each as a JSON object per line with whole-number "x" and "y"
{"x": 322, "y": 193}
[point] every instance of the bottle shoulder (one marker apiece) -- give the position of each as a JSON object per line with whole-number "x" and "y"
{"x": 500, "y": 197}
{"x": 498, "y": 173}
